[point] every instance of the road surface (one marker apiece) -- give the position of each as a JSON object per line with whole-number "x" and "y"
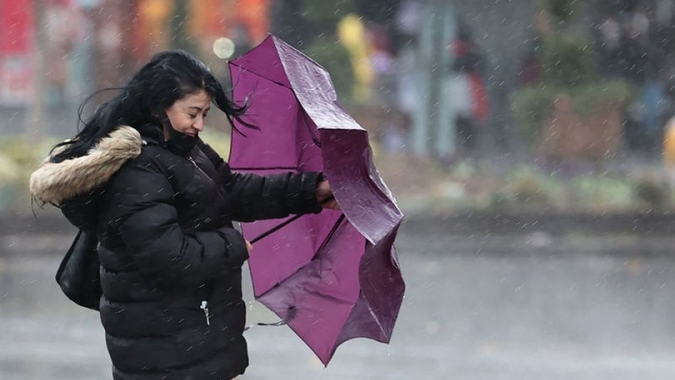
{"x": 534, "y": 305}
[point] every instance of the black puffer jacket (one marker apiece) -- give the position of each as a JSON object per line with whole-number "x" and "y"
{"x": 168, "y": 250}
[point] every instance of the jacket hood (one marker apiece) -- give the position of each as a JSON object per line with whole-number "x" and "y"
{"x": 55, "y": 182}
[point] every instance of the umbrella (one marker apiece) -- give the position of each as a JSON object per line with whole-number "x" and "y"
{"x": 331, "y": 276}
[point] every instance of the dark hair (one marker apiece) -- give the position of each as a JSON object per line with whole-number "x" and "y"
{"x": 167, "y": 77}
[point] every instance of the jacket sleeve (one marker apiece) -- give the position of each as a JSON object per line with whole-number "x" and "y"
{"x": 145, "y": 216}
{"x": 272, "y": 196}
{"x": 256, "y": 197}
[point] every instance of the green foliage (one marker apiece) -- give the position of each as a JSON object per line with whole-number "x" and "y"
{"x": 654, "y": 194}
{"x": 568, "y": 62}
{"x": 528, "y": 188}
{"x": 471, "y": 186}
{"x": 531, "y": 106}
{"x": 326, "y": 14}
{"x": 562, "y": 10}
{"x": 602, "y": 193}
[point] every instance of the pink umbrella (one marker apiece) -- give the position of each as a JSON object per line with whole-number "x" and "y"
{"x": 331, "y": 276}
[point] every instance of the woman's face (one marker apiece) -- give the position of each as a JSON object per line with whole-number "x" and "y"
{"x": 187, "y": 115}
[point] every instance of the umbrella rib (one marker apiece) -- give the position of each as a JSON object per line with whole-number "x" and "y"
{"x": 243, "y": 69}
{"x": 250, "y": 168}
{"x": 274, "y": 229}
{"x": 315, "y": 139}
{"x": 285, "y": 223}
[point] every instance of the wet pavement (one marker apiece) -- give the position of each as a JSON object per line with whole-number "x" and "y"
{"x": 532, "y": 305}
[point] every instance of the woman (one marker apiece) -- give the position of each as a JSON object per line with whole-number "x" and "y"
{"x": 161, "y": 203}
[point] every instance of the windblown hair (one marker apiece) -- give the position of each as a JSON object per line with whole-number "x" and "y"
{"x": 167, "y": 77}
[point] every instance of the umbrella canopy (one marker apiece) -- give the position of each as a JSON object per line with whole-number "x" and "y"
{"x": 331, "y": 276}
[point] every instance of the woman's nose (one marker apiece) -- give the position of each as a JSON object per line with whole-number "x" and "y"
{"x": 199, "y": 124}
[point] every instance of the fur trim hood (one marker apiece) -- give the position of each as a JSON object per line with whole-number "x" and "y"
{"x": 56, "y": 182}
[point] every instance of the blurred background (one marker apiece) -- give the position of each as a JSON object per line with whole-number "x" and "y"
{"x": 530, "y": 143}
{"x": 519, "y": 104}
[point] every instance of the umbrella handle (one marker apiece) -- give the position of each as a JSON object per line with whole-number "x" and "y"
{"x": 274, "y": 324}
{"x": 292, "y": 311}
{"x": 283, "y": 224}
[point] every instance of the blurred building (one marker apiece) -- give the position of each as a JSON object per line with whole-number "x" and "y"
{"x": 91, "y": 44}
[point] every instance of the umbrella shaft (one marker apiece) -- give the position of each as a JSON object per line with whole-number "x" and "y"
{"x": 273, "y": 229}
{"x": 283, "y": 224}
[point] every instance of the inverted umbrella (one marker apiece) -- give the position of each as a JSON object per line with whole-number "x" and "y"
{"x": 331, "y": 276}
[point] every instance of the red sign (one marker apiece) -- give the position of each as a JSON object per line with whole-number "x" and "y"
{"x": 16, "y": 44}
{"x": 16, "y": 23}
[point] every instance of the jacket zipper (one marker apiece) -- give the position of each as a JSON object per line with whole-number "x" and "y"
{"x": 207, "y": 176}
{"x": 204, "y": 305}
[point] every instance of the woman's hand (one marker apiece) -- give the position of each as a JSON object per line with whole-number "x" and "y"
{"x": 324, "y": 195}
{"x": 249, "y": 246}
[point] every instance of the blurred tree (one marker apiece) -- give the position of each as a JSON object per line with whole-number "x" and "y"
{"x": 290, "y": 23}
{"x": 298, "y": 22}
{"x": 567, "y": 62}
{"x": 178, "y": 25}
{"x": 562, "y": 10}
{"x": 325, "y": 15}
{"x": 311, "y": 26}
{"x": 379, "y": 11}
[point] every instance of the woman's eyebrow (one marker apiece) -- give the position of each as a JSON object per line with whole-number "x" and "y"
{"x": 199, "y": 108}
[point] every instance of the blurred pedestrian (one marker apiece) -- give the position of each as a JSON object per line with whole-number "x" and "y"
{"x": 609, "y": 43}
{"x": 162, "y": 203}
{"x": 394, "y": 132}
{"x": 468, "y": 86}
